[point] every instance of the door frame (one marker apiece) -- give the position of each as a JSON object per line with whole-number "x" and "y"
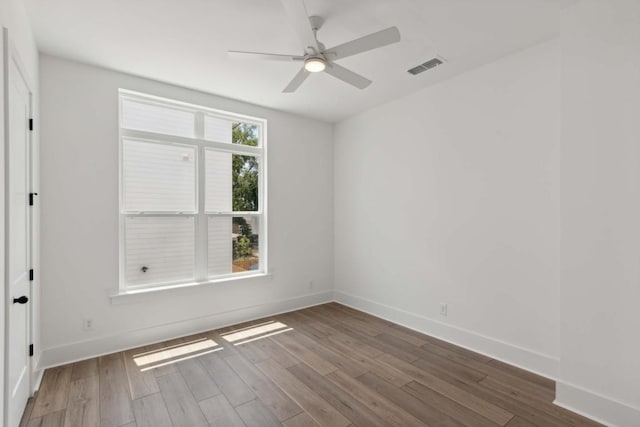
{"x": 11, "y": 55}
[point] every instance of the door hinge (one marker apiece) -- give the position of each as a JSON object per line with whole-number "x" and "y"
{"x": 31, "y": 124}
{"x": 30, "y": 350}
{"x": 31, "y": 198}
{"x": 31, "y": 275}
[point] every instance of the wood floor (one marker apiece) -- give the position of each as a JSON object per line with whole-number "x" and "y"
{"x": 328, "y": 365}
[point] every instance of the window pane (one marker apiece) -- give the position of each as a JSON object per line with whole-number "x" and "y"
{"x": 246, "y": 256}
{"x": 218, "y": 181}
{"x": 245, "y": 183}
{"x": 218, "y": 130}
{"x": 233, "y": 244}
{"x": 246, "y": 134}
{"x": 231, "y": 182}
{"x": 159, "y": 249}
{"x": 158, "y": 177}
{"x": 220, "y": 245}
{"x": 153, "y": 118}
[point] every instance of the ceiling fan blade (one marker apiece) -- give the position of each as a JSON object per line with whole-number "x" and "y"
{"x": 363, "y": 44}
{"x": 347, "y": 76}
{"x": 264, "y": 56}
{"x": 297, "y": 81}
{"x": 299, "y": 21}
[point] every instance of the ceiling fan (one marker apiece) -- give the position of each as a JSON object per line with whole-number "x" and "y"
{"x": 316, "y": 57}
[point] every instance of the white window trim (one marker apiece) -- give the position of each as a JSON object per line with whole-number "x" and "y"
{"x": 200, "y": 215}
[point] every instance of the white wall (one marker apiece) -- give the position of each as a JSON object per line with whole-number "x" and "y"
{"x": 452, "y": 195}
{"x": 80, "y": 220}
{"x": 13, "y": 17}
{"x": 600, "y": 328}
{"x": 512, "y": 193}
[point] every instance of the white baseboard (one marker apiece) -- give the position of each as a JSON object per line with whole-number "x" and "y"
{"x": 36, "y": 372}
{"x": 61, "y": 355}
{"x": 37, "y": 380}
{"x": 530, "y": 360}
{"x": 595, "y": 406}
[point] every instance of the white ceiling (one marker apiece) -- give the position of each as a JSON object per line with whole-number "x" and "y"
{"x": 184, "y": 42}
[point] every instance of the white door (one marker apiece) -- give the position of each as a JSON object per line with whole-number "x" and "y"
{"x": 18, "y": 244}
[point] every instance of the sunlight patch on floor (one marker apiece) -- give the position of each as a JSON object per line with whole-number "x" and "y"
{"x": 256, "y": 332}
{"x": 175, "y": 353}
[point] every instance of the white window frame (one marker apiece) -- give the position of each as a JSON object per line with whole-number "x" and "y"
{"x": 200, "y": 214}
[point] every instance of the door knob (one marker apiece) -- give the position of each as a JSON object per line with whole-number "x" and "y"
{"x": 22, "y": 300}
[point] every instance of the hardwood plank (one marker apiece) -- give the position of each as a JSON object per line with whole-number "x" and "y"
{"x": 198, "y": 379}
{"x": 253, "y": 352}
{"x": 301, "y": 420}
{"x": 115, "y": 400}
{"x": 383, "y": 347}
{"x": 353, "y": 322}
{"x": 84, "y": 369}
{"x": 290, "y": 341}
{"x": 385, "y": 327}
{"x": 151, "y": 411}
{"x": 140, "y": 383}
{"x": 337, "y": 359}
{"x": 340, "y": 399}
{"x": 450, "y": 407}
{"x": 170, "y": 351}
{"x": 317, "y": 407}
{"x": 376, "y": 403}
{"x": 445, "y": 388}
{"x": 513, "y": 390}
{"x": 419, "y": 409}
{"x": 52, "y": 419}
{"x": 219, "y": 412}
{"x": 524, "y": 386}
{"x": 538, "y": 402}
{"x": 437, "y": 363}
{"x": 525, "y": 375}
{"x": 505, "y": 376}
{"x": 519, "y": 422}
{"x": 271, "y": 395}
{"x": 535, "y": 414}
{"x": 227, "y": 348}
{"x": 245, "y": 325}
{"x": 26, "y": 415}
{"x": 388, "y": 373}
{"x": 83, "y": 407}
{"x": 54, "y": 391}
{"x": 231, "y": 385}
{"x": 321, "y": 312}
{"x": 430, "y": 361}
{"x": 354, "y": 343}
{"x": 434, "y": 344}
{"x": 181, "y": 405}
{"x": 276, "y": 352}
{"x": 300, "y": 322}
{"x": 159, "y": 349}
{"x": 255, "y": 414}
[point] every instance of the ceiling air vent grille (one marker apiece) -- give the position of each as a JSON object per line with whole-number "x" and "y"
{"x": 432, "y": 63}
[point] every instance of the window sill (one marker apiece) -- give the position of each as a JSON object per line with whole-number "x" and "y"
{"x": 141, "y": 294}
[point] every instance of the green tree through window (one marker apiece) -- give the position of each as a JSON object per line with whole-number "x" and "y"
{"x": 245, "y": 189}
{"x": 245, "y": 170}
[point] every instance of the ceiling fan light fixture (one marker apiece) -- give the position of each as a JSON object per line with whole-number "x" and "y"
{"x": 315, "y": 64}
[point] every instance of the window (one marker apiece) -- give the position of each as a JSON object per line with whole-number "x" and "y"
{"x": 192, "y": 193}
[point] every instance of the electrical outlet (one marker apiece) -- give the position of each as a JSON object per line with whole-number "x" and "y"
{"x": 87, "y": 324}
{"x": 443, "y": 309}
